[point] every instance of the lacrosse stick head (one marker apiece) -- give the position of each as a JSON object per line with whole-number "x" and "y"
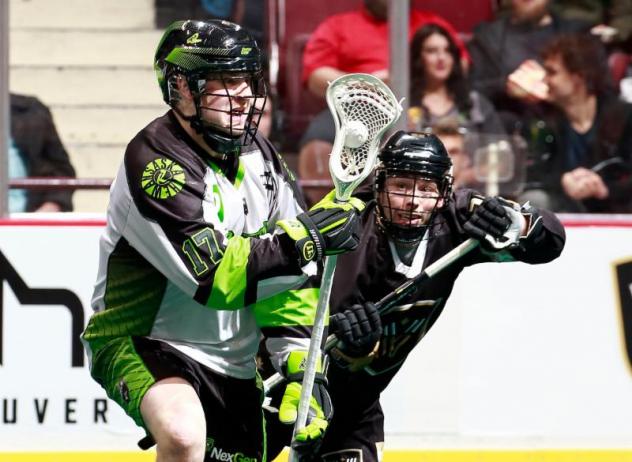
{"x": 363, "y": 108}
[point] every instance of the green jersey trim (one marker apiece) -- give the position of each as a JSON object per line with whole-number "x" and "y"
{"x": 241, "y": 172}
{"x": 290, "y": 308}
{"x": 229, "y": 284}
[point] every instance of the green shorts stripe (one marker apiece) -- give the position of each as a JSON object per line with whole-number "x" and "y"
{"x": 123, "y": 374}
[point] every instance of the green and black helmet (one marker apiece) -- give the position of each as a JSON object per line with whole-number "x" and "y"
{"x": 413, "y": 155}
{"x": 200, "y": 51}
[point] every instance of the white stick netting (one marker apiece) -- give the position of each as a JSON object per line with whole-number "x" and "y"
{"x": 365, "y": 108}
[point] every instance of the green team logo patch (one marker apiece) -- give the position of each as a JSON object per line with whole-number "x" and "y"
{"x": 162, "y": 179}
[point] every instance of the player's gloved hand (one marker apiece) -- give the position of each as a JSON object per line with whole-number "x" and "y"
{"x": 358, "y": 328}
{"x": 496, "y": 223}
{"x": 308, "y": 439}
{"x": 328, "y": 228}
{"x": 488, "y": 218}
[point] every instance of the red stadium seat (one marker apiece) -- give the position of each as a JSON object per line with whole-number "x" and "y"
{"x": 296, "y": 20}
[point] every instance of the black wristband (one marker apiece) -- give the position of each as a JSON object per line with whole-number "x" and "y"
{"x": 317, "y": 238}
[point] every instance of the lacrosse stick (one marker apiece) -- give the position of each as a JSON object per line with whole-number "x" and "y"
{"x": 363, "y": 108}
{"x": 391, "y": 299}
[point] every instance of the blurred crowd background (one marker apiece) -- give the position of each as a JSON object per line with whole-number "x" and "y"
{"x": 532, "y": 98}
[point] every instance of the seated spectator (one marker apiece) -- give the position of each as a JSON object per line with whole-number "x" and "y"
{"x": 439, "y": 90}
{"x": 453, "y": 139}
{"x": 36, "y": 151}
{"x": 610, "y": 20}
{"x": 505, "y": 55}
{"x": 355, "y": 41}
{"x": 584, "y": 147}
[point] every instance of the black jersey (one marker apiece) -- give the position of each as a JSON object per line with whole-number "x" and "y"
{"x": 374, "y": 270}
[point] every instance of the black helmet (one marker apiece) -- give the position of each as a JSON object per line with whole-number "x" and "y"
{"x": 419, "y": 156}
{"x": 211, "y": 50}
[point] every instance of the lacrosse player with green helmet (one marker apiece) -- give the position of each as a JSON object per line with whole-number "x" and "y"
{"x": 418, "y": 219}
{"x": 208, "y": 249}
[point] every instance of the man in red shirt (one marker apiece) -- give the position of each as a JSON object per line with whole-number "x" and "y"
{"x": 358, "y": 41}
{"x": 355, "y": 41}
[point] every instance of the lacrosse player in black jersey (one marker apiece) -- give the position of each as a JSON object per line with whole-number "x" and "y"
{"x": 208, "y": 248}
{"x": 417, "y": 220}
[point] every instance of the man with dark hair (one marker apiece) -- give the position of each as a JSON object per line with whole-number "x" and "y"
{"x": 357, "y": 41}
{"x": 583, "y": 149}
{"x": 418, "y": 219}
{"x": 505, "y": 55}
{"x": 207, "y": 249}
{"x": 353, "y": 41}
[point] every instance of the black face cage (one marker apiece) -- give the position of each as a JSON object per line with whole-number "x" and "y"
{"x": 386, "y": 208}
{"x": 218, "y": 137}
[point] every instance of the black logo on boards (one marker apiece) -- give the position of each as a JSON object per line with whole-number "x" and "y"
{"x": 45, "y": 297}
{"x": 623, "y": 273}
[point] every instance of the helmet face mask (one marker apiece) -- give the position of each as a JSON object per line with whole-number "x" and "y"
{"x": 221, "y": 65}
{"x": 228, "y": 104}
{"x": 413, "y": 182}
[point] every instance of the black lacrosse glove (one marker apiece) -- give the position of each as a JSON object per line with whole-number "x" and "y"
{"x": 358, "y": 328}
{"x": 328, "y": 228}
{"x": 490, "y": 218}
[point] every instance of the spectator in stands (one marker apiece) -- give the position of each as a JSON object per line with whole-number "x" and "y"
{"x": 439, "y": 90}
{"x": 584, "y": 147}
{"x": 453, "y": 138}
{"x": 505, "y": 52}
{"x": 610, "y": 20}
{"x": 355, "y": 41}
{"x": 35, "y": 150}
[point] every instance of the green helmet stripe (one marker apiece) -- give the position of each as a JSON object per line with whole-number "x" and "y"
{"x": 173, "y": 26}
{"x": 183, "y": 58}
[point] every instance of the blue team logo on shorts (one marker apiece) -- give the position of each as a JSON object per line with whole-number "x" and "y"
{"x": 162, "y": 178}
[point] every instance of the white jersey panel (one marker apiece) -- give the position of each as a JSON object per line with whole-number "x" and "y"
{"x": 225, "y": 341}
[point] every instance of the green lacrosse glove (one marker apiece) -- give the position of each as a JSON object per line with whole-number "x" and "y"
{"x": 328, "y": 228}
{"x": 308, "y": 439}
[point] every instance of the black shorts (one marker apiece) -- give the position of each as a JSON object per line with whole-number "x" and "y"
{"x": 354, "y": 435}
{"x": 356, "y": 432}
{"x": 234, "y": 418}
